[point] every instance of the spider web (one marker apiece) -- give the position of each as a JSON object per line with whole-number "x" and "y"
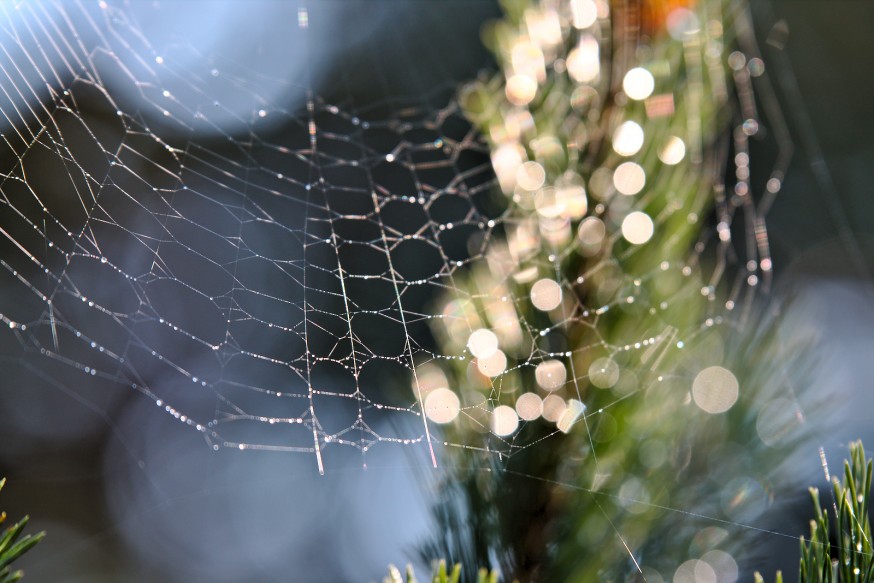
{"x": 273, "y": 276}
{"x": 243, "y": 284}
{"x": 266, "y": 269}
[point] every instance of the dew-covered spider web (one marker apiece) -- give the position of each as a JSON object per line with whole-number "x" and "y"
{"x": 280, "y": 270}
{"x": 241, "y": 282}
{"x": 268, "y": 285}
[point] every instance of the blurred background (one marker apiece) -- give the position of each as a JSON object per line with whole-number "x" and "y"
{"x": 127, "y": 494}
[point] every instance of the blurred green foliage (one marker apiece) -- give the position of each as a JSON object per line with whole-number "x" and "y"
{"x": 588, "y": 501}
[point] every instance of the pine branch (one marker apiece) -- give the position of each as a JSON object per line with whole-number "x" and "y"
{"x": 439, "y": 575}
{"x": 852, "y": 529}
{"x": 13, "y": 545}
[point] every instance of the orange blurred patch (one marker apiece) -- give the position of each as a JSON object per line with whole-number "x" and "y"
{"x": 654, "y": 13}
